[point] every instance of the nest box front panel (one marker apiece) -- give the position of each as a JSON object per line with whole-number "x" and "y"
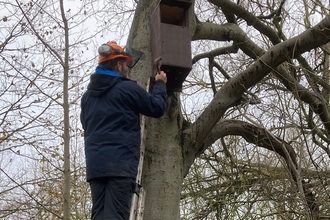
{"x": 170, "y": 39}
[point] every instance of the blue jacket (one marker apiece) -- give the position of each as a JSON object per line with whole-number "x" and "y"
{"x": 110, "y": 116}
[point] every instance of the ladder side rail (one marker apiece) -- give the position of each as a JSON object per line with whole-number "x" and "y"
{"x": 137, "y": 204}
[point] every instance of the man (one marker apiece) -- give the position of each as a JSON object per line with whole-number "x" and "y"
{"x": 110, "y": 116}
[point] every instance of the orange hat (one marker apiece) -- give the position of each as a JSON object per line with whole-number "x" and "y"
{"x": 112, "y": 50}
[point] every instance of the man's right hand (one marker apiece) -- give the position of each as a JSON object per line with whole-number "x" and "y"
{"x": 161, "y": 76}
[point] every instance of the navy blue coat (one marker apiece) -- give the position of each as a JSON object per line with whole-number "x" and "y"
{"x": 110, "y": 116}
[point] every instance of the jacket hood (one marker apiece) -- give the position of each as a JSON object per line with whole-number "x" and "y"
{"x": 102, "y": 81}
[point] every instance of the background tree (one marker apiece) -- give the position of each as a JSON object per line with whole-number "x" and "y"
{"x": 47, "y": 55}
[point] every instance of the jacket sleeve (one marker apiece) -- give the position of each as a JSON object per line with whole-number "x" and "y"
{"x": 149, "y": 104}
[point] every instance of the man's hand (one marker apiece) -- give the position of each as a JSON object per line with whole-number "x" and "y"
{"x": 161, "y": 76}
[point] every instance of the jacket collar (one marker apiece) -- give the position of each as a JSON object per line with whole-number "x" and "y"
{"x": 104, "y": 71}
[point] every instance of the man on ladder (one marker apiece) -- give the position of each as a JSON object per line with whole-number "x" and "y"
{"x": 110, "y": 117}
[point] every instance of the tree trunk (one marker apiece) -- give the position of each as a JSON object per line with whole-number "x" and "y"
{"x": 163, "y": 171}
{"x": 66, "y": 135}
{"x": 162, "y": 175}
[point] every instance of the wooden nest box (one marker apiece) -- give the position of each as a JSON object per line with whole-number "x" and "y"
{"x": 171, "y": 40}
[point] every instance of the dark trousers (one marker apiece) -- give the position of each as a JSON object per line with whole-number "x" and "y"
{"x": 111, "y": 198}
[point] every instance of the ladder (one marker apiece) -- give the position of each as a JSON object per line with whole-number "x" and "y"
{"x": 139, "y": 194}
{"x": 137, "y": 205}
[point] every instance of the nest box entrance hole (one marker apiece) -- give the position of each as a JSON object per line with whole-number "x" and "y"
{"x": 173, "y": 15}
